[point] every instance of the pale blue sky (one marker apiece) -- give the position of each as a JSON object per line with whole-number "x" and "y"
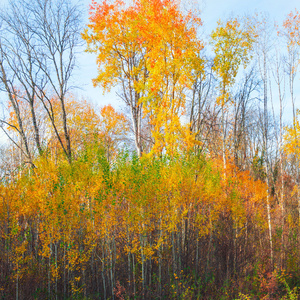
{"x": 211, "y": 12}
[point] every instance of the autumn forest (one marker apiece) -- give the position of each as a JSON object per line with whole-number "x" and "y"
{"x": 190, "y": 190}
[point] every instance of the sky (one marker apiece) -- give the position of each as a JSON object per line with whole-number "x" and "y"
{"x": 211, "y": 12}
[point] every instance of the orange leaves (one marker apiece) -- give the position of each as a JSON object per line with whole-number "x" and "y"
{"x": 151, "y": 49}
{"x": 85, "y": 125}
{"x": 18, "y": 104}
{"x": 111, "y": 32}
{"x": 173, "y": 59}
{"x": 88, "y": 216}
{"x": 292, "y": 26}
{"x": 113, "y": 123}
{"x": 244, "y": 196}
{"x": 113, "y": 128}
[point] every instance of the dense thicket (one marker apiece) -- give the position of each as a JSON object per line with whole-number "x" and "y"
{"x": 149, "y": 227}
{"x": 192, "y": 195}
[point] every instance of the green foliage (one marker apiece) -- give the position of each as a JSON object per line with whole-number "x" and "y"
{"x": 126, "y": 216}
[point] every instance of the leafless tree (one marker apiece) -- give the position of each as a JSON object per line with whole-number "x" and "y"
{"x": 39, "y": 40}
{"x": 245, "y": 103}
{"x": 202, "y": 112}
{"x": 264, "y": 45}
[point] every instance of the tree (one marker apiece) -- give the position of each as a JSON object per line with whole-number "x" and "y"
{"x": 232, "y": 42}
{"x": 114, "y": 127}
{"x": 202, "y": 114}
{"x": 245, "y": 118}
{"x": 291, "y": 33}
{"x": 263, "y": 47}
{"x": 38, "y": 46}
{"x": 153, "y": 67}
